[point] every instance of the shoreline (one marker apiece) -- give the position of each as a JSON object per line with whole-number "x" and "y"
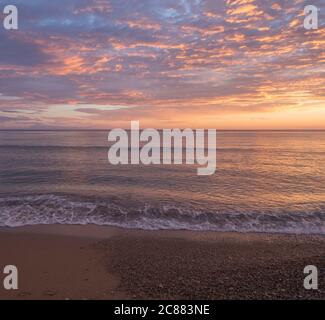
{"x": 94, "y": 262}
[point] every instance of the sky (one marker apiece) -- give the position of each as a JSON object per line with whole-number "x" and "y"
{"x": 224, "y": 64}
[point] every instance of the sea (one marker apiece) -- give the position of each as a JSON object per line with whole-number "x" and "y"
{"x": 265, "y": 181}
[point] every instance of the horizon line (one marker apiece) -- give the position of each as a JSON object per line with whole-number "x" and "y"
{"x": 128, "y": 129}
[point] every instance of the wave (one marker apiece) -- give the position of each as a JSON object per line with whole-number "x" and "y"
{"x": 73, "y": 210}
{"x": 72, "y": 147}
{"x": 225, "y": 150}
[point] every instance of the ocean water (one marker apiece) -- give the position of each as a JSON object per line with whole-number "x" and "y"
{"x": 267, "y": 181}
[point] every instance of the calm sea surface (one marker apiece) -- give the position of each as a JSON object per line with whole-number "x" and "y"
{"x": 264, "y": 182}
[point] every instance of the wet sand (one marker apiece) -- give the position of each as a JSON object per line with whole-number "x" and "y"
{"x": 91, "y": 262}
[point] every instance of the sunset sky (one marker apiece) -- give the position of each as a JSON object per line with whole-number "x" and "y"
{"x": 224, "y": 64}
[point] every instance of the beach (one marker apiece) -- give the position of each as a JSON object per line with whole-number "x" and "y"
{"x": 162, "y": 150}
{"x": 94, "y": 262}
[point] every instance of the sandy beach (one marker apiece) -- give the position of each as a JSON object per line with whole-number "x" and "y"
{"x": 90, "y": 262}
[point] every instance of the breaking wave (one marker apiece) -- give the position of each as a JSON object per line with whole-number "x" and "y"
{"x": 67, "y": 209}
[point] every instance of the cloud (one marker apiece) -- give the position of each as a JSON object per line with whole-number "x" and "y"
{"x": 20, "y": 52}
{"x": 160, "y": 59}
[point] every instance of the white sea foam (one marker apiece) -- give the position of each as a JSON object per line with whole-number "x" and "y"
{"x": 71, "y": 210}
